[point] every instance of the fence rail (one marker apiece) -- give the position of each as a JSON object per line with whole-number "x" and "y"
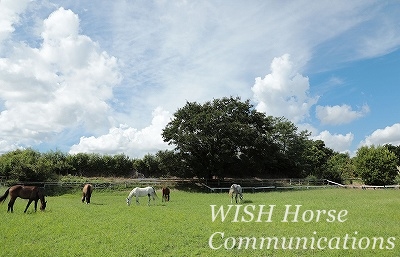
{"x": 156, "y": 182}
{"x": 210, "y": 185}
{"x": 254, "y": 189}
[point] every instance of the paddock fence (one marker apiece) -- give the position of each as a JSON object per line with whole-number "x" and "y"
{"x": 264, "y": 185}
{"x": 249, "y": 185}
{"x": 125, "y": 183}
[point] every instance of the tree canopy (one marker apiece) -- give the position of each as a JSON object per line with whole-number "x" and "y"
{"x": 228, "y": 137}
{"x": 376, "y": 165}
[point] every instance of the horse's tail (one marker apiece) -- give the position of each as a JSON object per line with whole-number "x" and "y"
{"x": 90, "y": 190}
{"x": 3, "y": 198}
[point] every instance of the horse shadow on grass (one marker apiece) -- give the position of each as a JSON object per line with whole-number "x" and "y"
{"x": 96, "y": 204}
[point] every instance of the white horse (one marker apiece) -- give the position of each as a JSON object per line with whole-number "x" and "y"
{"x": 139, "y": 191}
{"x": 237, "y": 190}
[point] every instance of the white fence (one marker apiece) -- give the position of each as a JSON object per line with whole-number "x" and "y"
{"x": 299, "y": 184}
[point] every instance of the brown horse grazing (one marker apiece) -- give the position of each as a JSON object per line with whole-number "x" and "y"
{"x": 32, "y": 193}
{"x": 87, "y": 193}
{"x": 165, "y": 194}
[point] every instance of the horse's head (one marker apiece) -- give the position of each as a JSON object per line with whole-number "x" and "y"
{"x": 43, "y": 205}
{"x": 128, "y": 201}
{"x": 43, "y": 202}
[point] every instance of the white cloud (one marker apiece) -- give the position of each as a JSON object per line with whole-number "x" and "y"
{"x": 388, "y": 135}
{"x": 216, "y": 48}
{"x": 337, "y": 142}
{"x": 65, "y": 83}
{"x": 58, "y": 72}
{"x": 9, "y": 16}
{"x": 336, "y": 115}
{"x": 128, "y": 140}
{"x": 381, "y": 38}
{"x": 284, "y": 92}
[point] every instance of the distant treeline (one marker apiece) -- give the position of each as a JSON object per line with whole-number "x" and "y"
{"x": 32, "y": 165}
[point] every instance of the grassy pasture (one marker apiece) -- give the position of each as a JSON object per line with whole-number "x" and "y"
{"x": 183, "y": 226}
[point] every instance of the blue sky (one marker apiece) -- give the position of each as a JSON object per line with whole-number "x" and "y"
{"x": 107, "y": 76}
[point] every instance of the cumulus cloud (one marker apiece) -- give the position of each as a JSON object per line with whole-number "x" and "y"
{"x": 336, "y": 115}
{"x": 388, "y": 135}
{"x": 284, "y": 92}
{"x": 337, "y": 142}
{"x": 66, "y": 82}
{"x": 128, "y": 140}
{"x": 9, "y": 16}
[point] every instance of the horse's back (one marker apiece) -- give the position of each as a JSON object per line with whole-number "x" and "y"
{"x": 142, "y": 191}
{"x": 149, "y": 190}
{"x": 235, "y": 189}
{"x": 88, "y": 188}
{"x": 24, "y": 192}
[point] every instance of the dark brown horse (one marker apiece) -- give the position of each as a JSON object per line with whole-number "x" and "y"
{"x": 32, "y": 193}
{"x": 165, "y": 194}
{"x": 87, "y": 193}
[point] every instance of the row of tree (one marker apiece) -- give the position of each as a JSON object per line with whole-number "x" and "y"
{"x": 221, "y": 138}
{"x": 31, "y": 165}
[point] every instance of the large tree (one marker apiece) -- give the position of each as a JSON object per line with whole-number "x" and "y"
{"x": 223, "y": 137}
{"x": 339, "y": 167}
{"x": 316, "y": 156}
{"x": 376, "y": 165}
{"x": 395, "y": 150}
{"x": 291, "y": 160}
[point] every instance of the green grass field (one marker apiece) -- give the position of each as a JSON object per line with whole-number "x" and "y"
{"x": 184, "y": 226}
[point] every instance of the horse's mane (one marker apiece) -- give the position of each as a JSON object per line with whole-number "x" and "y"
{"x": 131, "y": 193}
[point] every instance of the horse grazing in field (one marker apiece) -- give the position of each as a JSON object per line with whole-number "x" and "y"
{"x": 139, "y": 191}
{"x": 32, "y": 193}
{"x": 165, "y": 194}
{"x": 87, "y": 193}
{"x": 237, "y": 191}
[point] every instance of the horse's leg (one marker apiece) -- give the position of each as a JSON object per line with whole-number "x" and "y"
{"x": 36, "y": 205}
{"x": 11, "y": 205}
{"x": 137, "y": 199}
{"x": 83, "y": 197}
{"x": 29, "y": 203}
